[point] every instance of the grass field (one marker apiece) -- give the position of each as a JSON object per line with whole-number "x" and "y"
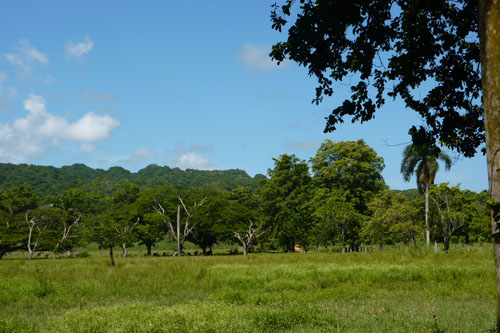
{"x": 405, "y": 291}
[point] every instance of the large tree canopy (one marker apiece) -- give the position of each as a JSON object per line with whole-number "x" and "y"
{"x": 427, "y": 49}
{"x": 351, "y": 166}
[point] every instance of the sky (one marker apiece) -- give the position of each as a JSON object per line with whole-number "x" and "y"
{"x": 176, "y": 83}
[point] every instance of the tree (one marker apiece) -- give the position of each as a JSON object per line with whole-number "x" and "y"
{"x": 188, "y": 225}
{"x": 206, "y": 218}
{"x": 37, "y": 223}
{"x": 447, "y": 48}
{"x": 423, "y": 161}
{"x": 151, "y": 228}
{"x": 393, "y": 218}
{"x": 337, "y": 219}
{"x": 114, "y": 219}
{"x": 75, "y": 204}
{"x": 14, "y": 203}
{"x": 12, "y": 234}
{"x": 284, "y": 197}
{"x": 251, "y": 235}
{"x": 351, "y": 166}
{"x": 239, "y": 215}
{"x": 102, "y": 227}
{"x": 411, "y": 44}
{"x": 124, "y": 214}
{"x": 447, "y": 202}
{"x": 478, "y": 228}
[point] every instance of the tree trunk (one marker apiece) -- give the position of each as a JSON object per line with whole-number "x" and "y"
{"x": 31, "y": 254}
{"x": 111, "y": 256}
{"x": 124, "y": 249}
{"x": 489, "y": 36}
{"x": 179, "y": 246}
{"x": 54, "y": 251}
{"x": 427, "y": 232}
{"x": 244, "y": 250}
{"x": 148, "y": 248}
{"x": 446, "y": 245}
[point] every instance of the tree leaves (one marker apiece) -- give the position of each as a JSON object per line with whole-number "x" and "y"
{"x": 426, "y": 48}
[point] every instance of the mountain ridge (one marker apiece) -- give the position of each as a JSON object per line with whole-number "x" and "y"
{"x": 47, "y": 180}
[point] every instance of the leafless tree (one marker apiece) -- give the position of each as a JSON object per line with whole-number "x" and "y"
{"x": 65, "y": 233}
{"x": 34, "y": 240}
{"x": 251, "y": 235}
{"x": 188, "y": 226}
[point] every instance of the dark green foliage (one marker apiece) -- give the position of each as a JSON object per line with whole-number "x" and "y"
{"x": 207, "y": 217}
{"x": 462, "y": 214}
{"x": 412, "y": 194}
{"x": 284, "y": 197}
{"x": 422, "y": 161}
{"x": 14, "y": 203}
{"x": 344, "y": 204}
{"x": 393, "y": 49}
{"x": 151, "y": 228}
{"x": 352, "y": 167}
{"x": 393, "y": 219}
{"x": 336, "y": 220}
{"x": 46, "y": 180}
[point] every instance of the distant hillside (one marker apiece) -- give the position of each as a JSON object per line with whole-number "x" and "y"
{"x": 411, "y": 194}
{"x": 51, "y": 180}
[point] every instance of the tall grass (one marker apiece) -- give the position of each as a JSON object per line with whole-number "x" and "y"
{"x": 402, "y": 291}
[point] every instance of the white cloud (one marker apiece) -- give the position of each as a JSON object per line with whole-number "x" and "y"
{"x": 193, "y": 156}
{"x": 308, "y": 145}
{"x": 181, "y": 147}
{"x": 25, "y": 57}
{"x": 192, "y": 160}
{"x": 6, "y": 91}
{"x": 111, "y": 160}
{"x": 140, "y": 155}
{"x": 79, "y": 49}
{"x": 257, "y": 57}
{"x": 87, "y": 147}
{"x": 16, "y": 60}
{"x": 26, "y": 137}
{"x": 91, "y": 127}
{"x": 49, "y": 79}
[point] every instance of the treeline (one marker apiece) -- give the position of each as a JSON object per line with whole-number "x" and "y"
{"x": 337, "y": 198}
{"x": 48, "y": 180}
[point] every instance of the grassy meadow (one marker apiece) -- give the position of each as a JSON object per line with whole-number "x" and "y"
{"x": 388, "y": 291}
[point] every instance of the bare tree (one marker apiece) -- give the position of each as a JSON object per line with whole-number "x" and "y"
{"x": 124, "y": 232}
{"x": 34, "y": 240}
{"x": 65, "y": 233}
{"x": 251, "y": 235}
{"x": 188, "y": 226}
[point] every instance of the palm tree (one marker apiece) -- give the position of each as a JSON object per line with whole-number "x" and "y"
{"x": 423, "y": 161}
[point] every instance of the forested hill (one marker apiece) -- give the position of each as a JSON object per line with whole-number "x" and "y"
{"x": 47, "y": 180}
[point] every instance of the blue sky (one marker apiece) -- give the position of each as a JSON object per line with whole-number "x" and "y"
{"x": 177, "y": 83}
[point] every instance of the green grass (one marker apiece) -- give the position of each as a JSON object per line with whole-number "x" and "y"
{"x": 405, "y": 291}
